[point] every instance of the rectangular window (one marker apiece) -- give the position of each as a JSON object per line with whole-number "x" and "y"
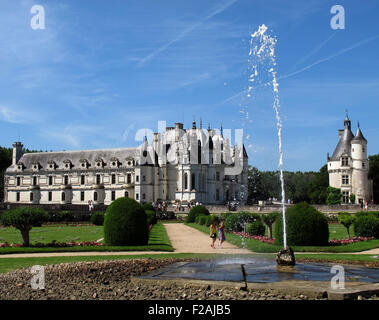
{"x": 82, "y": 179}
{"x": 345, "y": 179}
{"x": 82, "y": 196}
{"x": 34, "y": 181}
{"x": 18, "y": 196}
{"x": 144, "y": 178}
{"x": 143, "y": 196}
{"x": 113, "y": 195}
{"x": 137, "y": 196}
{"x": 137, "y": 178}
{"x": 113, "y": 178}
{"x": 95, "y": 196}
{"x": 31, "y": 196}
{"x": 50, "y": 181}
{"x": 345, "y": 196}
{"x": 18, "y": 181}
{"x": 129, "y": 178}
{"x": 63, "y": 197}
{"x": 98, "y": 179}
{"x": 50, "y": 196}
{"x": 66, "y": 180}
{"x": 218, "y": 176}
{"x": 217, "y": 194}
{"x": 344, "y": 161}
{"x": 363, "y": 165}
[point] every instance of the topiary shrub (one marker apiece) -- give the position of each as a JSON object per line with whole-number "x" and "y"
{"x": 67, "y": 216}
{"x": 97, "y": 218}
{"x": 196, "y": 211}
{"x": 24, "y": 219}
{"x": 151, "y": 217}
{"x": 305, "y": 227}
{"x": 256, "y": 228}
{"x": 269, "y": 220}
{"x": 236, "y": 221}
{"x": 202, "y": 219}
{"x": 366, "y": 226}
{"x": 346, "y": 220}
{"x": 147, "y": 206}
{"x": 209, "y": 219}
{"x": 125, "y": 223}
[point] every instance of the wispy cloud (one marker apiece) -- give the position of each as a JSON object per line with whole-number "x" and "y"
{"x": 356, "y": 45}
{"x": 17, "y": 116}
{"x": 185, "y": 33}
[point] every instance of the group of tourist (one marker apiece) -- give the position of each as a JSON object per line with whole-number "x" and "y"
{"x": 214, "y": 228}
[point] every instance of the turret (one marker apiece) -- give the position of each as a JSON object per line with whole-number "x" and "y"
{"x": 17, "y": 152}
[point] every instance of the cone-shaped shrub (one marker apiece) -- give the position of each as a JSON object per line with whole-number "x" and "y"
{"x": 196, "y": 211}
{"x": 305, "y": 227}
{"x": 125, "y": 224}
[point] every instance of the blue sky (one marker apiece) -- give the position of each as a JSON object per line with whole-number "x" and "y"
{"x": 101, "y": 70}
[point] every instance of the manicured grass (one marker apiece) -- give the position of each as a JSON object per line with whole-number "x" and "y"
{"x": 158, "y": 241}
{"x": 60, "y": 233}
{"x": 340, "y": 258}
{"x": 257, "y": 246}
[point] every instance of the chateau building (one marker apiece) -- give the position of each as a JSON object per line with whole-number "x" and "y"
{"x": 179, "y": 165}
{"x": 348, "y": 167}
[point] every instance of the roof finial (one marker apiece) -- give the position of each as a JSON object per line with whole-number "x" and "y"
{"x": 358, "y": 125}
{"x": 347, "y": 113}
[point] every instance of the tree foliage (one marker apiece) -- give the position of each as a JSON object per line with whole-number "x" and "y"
{"x": 374, "y": 174}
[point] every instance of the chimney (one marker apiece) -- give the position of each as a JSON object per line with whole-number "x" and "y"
{"x": 179, "y": 125}
{"x": 17, "y": 152}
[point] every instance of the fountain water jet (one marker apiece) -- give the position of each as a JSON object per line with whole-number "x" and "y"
{"x": 262, "y": 60}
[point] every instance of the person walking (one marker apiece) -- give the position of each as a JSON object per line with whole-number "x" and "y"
{"x": 213, "y": 233}
{"x": 221, "y": 234}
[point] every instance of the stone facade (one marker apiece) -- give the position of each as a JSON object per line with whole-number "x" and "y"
{"x": 349, "y": 166}
{"x": 178, "y": 166}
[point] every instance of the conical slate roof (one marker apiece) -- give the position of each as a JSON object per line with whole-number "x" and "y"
{"x": 344, "y": 144}
{"x": 359, "y": 136}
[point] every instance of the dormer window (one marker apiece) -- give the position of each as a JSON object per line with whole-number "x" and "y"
{"x": 344, "y": 161}
{"x": 115, "y": 163}
{"x": 51, "y": 165}
{"x": 99, "y": 163}
{"x": 20, "y": 166}
{"x": 36, "y": 166}
{"x": 129, "y": 162}
{"x": 67, "y": 164}
{"x": 84, "y": 164}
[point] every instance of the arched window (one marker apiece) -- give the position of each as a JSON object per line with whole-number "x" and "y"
{"x": 126, "y": 194}
{"x": 63, "y": 196}
{"x": 185, "y": 181}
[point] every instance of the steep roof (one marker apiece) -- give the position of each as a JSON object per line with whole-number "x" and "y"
{"x": 344, "y": 144}
{"x": 75, "y": 157}
{"x": 359, "y": 136}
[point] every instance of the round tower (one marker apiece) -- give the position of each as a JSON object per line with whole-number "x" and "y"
{"x": 360, "y": 181}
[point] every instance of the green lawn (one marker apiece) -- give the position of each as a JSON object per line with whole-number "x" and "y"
{"x": 257, "y": 246}
{"x": 60, "y": 233}
{"x": 158, "y": 240}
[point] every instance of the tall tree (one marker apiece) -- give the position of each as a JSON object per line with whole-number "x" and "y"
{"x": 374, "y": 175}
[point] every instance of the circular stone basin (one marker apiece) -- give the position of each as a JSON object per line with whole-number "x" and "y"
{"x": 259, "y": 270}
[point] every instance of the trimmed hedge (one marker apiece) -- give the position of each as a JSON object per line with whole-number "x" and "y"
{"x": 256, "y": 228}
{"x": 196, "y": 211}
{"x": 305, "y": 227}
{"x": 125, "y": 223}
{"x": 97, "y": 218}
{"x": 236, "y": 221}
{"x": 147, "y": 206}
{"x": 366, "y": 225}
{"x": 151, "y": 217}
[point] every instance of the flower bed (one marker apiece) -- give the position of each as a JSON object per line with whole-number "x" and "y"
{"x": 337, "y": 242}
{"x": 55, "y": 244}
{"x": 248, "y": 236}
